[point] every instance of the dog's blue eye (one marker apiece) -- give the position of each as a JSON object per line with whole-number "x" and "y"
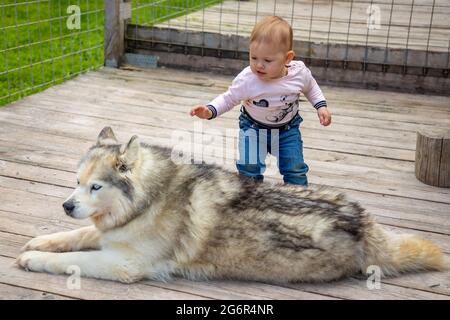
{"x": 96, "y": 187}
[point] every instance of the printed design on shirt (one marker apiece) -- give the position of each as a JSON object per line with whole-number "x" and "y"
{"x": 263, "y": 103}
{"x": 280, "y": 115}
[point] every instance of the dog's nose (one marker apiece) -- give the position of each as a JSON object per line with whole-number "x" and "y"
{"x": 68, "y": 207}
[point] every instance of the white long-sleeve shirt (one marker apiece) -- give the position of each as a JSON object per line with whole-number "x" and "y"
{"x": 272, "y": 103}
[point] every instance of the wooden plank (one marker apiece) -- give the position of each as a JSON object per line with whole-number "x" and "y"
{"x": 228, "y": 289}
{"x": 386, "y": 147}
{"x": 130, "y": 98}
{"x": 179, "y": 121}
{"x": 140, "y": 83}
{"x": 358, "y": 144}
{"x": 405, "y": 131}
{"x": 357, "y": 289}
{"x": 374, "y": 108}
{"x": 444, "y": 179}
{"x": 414, "y": 107}
{"x": 339, "y": 131}
{"x": 341, "y": 127}
{"x": 436, "y": 282}
{"x": 31, "y": 172}
{"x": 391, "y": 166}
{"x": 34, "y": 225}
{"x": 217, "y": 83}
{"x": 363, "y": 109}
{"x": 10, "y": 246}
{"x": 12, "y": 292}
{"x": 90, "y": 288}
{"x": 156, "y": 102}
{"x": 47, "y": 208}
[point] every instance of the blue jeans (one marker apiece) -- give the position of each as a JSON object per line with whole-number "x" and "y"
{"x": 285, "y": 144}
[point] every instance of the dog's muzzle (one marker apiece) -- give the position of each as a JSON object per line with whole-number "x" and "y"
{"x": 68, "y": 207}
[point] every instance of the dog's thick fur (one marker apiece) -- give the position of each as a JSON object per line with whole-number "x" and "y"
{"x": 154, "y": 219}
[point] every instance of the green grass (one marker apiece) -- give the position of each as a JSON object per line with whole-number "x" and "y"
{"x": 149, "y": 12}
{"x": 38, "y": 50}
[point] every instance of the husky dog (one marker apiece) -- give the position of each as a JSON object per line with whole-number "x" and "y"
{"x": 153, "y": 219}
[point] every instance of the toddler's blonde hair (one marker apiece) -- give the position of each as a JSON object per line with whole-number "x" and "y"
{"x": 273, "y": 30}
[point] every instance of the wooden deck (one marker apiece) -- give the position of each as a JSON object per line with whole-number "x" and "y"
{"x": 368, "y": 152}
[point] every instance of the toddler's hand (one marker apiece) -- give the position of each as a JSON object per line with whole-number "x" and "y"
{"x": 201, "y": 111}
{"x": 324, "y": 116}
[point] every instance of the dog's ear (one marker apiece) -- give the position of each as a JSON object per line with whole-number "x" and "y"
{"x": 130, "y": 153}
{"x": 106, "y": 137}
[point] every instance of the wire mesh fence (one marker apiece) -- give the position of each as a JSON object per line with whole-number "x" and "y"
{"x": 388, "y": 32}
{"x": 46, "y": 42}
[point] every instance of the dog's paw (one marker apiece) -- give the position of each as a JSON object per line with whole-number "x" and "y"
{"x": 33, "y": 261}
{"x": 49, "y": 243}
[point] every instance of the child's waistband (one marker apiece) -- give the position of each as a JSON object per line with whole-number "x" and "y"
{"x": 260, "y": 125}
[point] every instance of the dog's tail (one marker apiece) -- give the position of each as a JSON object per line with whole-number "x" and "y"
{"x": 398, "y": 253}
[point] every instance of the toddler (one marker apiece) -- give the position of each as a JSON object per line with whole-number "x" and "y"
{"x": 268, "y": 91}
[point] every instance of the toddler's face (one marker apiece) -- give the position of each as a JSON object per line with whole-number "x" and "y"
{"x": 267, "y": 61}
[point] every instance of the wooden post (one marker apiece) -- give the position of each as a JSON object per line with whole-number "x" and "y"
{"x": 117, "y": 14}
{"x": 433, "y": 157}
